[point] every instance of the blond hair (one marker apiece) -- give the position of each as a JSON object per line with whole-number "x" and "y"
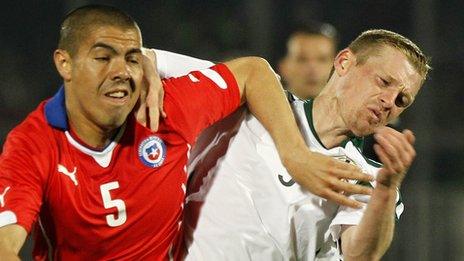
{"x": 370, "y": 41}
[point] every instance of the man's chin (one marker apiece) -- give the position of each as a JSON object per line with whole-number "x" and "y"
{"x": 363, "y": 131}
{"x": 112, "y": 123}
{"x": 314, "y": 89}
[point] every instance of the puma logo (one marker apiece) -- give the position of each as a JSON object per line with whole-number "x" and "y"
{"x": 2, "y": 196}
{"x": 65, "y": 171}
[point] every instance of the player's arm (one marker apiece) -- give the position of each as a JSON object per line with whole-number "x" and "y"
{"x": 12, "y": 238}
{"x": 370, "y": 239}
{"x": 261, "y": 89}
{"x": 21, "y": 184}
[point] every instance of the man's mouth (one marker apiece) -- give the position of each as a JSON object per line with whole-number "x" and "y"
{"x": 118, "y": 94}
{"x": 376, "y": 115}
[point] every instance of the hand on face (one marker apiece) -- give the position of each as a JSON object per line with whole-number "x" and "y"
{"x": 152, "y": 93}
{"x": 395, "y": 150}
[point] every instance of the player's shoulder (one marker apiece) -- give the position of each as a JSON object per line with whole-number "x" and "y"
{"x": 32, "y": 130}
{"x": 218, "y": 75}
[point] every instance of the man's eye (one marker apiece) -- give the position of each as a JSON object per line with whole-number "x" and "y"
{"x": 402, "y": 100}
{"x": 384, "y": 82}
{"x": 102, "y": 59}
{"x": 133, "y": 59}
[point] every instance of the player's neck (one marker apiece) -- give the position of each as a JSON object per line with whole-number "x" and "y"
{"x": 88, "y": 132}
{"x": 327, "y": 121}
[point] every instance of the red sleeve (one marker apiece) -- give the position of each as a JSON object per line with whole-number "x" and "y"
{"x": 20, "y": 181}
{"x": 199, "y": 99}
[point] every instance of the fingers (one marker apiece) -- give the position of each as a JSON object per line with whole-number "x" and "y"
{"x": 395, "y": 149}
{"x": 406, "y": 151}
{"x": 140, "y": 112}
{"x": 154, "y": 91}
{"x": 383, "y": 158}
{"x": 161, "y": 103}
{"x": 409, "y": 136}
{"x": 155, "y": 98}
{"x": 348, "y": 188}
{"x": 390, "y": 154}
{"x": 149, "y": 62}
{"x": 341, "y": 199}
{"x": 343, "y": 170}
{"x": 153, "y": 110}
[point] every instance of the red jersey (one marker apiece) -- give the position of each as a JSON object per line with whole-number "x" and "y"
{"x": 124, "y": 202}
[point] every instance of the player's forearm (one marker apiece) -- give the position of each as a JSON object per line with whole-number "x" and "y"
{"x": 259, "y": 87}
{"x": 371, "y": 238}
{"x": 266, "y": 100}
{"x": 12, "y": 238}
{"x": 8, "y": 255}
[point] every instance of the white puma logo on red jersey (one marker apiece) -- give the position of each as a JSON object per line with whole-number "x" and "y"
{"x": 65, "y": 171}
{"x": 2, "y": 196}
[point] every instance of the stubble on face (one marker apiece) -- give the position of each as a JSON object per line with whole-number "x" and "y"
{"x": 106, "y": 78}
{"x": 370, "y": 93}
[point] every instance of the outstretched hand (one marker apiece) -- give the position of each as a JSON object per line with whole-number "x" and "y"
{"x": 395, "y": 150}
{"x": 150, "y": 104}
{"x": 325, "y": 177}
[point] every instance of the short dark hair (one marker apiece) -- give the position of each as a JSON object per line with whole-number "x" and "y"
{"x": 314, "y": 28}
{"x": 80, "y": 21}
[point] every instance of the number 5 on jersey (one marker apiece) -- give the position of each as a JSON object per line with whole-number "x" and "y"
{"x": 111, "y": 203}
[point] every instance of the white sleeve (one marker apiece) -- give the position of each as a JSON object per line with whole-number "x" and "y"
{"x": 173, "y": 64}
{"x": 347, "y": 216}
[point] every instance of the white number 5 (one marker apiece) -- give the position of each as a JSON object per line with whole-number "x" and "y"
{"x": 110, "y": 203}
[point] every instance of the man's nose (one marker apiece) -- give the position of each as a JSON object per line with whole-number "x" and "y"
{"x": 120, "y": 70}
{"x": 388, "y": 98}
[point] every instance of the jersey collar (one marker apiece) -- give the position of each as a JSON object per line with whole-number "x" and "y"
{"x": 358, "y": 142}
{"x": 55, "y": 111}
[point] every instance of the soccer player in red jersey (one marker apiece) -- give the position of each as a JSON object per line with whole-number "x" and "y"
{"x": 94, "y": 184}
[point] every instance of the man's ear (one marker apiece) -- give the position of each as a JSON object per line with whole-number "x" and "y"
{"x": 63, "y": 63}
{"x": 344, "y": 60}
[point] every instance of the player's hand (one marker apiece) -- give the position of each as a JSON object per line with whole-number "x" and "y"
{"x": 150, "y": 104}
{"x": 395, "y": 150}
{"x": 324, "y": 177}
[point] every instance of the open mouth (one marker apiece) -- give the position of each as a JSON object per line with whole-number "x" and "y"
{"x": 117, "y": 94}
{"x": 117, "y": 97}
{"x": 376, "y": 115}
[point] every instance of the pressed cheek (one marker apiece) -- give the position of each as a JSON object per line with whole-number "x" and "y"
{"x": 395, "y": 113}
{"x": 137, "y": 76}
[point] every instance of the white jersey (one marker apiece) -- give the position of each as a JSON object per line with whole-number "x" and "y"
{"x": 253, "y": 210}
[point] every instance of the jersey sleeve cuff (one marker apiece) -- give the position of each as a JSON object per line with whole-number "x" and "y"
{"x": 7, "y": 217}
{"x": 232, "y": 84}
{"x": 348, "y": 219}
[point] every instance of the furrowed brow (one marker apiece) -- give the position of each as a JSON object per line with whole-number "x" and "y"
{"x": 134, "y": 51}
{"x": 104, "y": 46}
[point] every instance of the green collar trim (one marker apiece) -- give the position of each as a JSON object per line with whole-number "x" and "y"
{"x": 308, "y": 107}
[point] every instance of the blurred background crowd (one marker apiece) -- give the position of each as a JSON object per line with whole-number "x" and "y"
{"x": 432, "y": 226}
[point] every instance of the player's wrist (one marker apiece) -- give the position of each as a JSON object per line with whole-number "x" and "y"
{"x": 386, "y": 191}
{"x": 290, "y": 154}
